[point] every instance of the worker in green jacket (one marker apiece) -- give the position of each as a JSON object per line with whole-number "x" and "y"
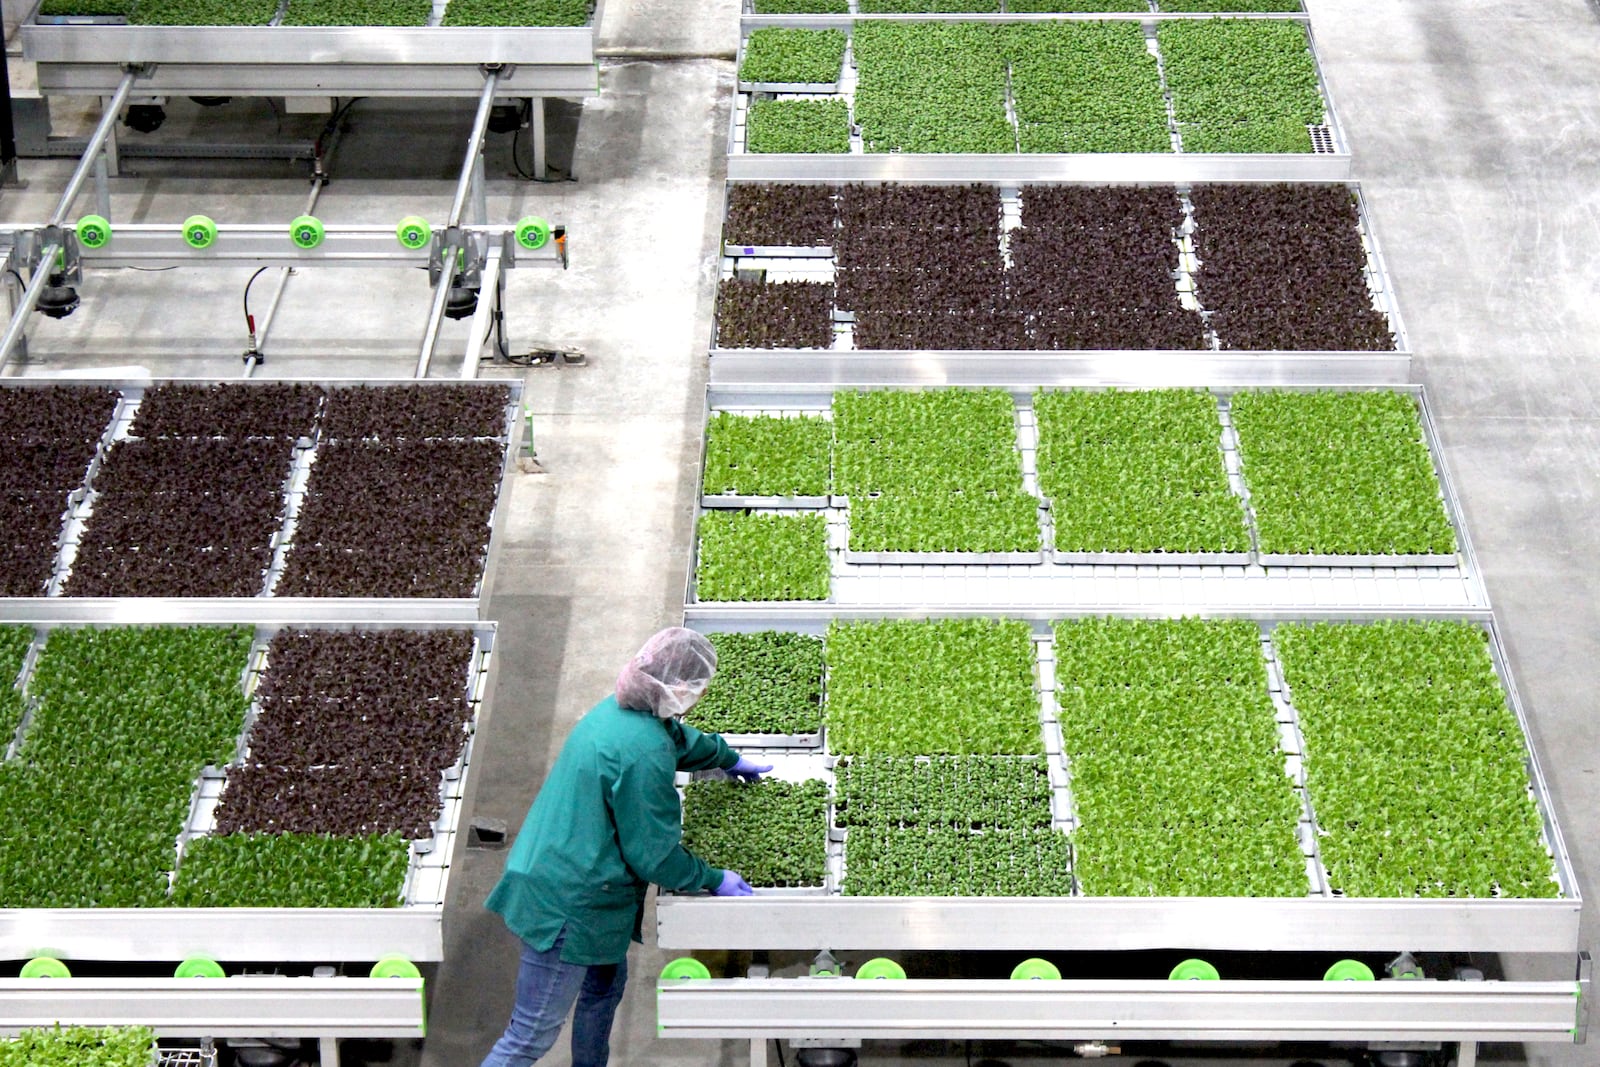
{"x": 605, "y": 825}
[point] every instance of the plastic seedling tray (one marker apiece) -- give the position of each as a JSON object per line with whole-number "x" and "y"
{"x": 1275, "y": 559}
{"x": 733, "y": 500}
{"x": 788, "y": 766}
{"x": 945, "y": 558}
{"x": 80, "y": 20}
{"x": 1153, "y": 559}
{"x": 778, "y": 251}
{"x": 786, "y": 741}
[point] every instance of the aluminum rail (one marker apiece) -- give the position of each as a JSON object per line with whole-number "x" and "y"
{"x": 30, "y": 300}
{"x": 955, "y": 168}
{"x": 430, "y": 337}
{"x": 313, "y": 48}
{"x": 480, "y": 128}
{"x": 483, "y": 317}
{"x": 97, "y": 141}
{"x": 158, "y": 245}
{"x": 255, "y": 1006}
{"x": 1159, "y": 1010}
{"x": 234, "y": 611}
{"x": 749, "y": 20}
{"x": 812, "y": 369}
{"x": 1115, "y": 924}
{"x": 471, "y": 173}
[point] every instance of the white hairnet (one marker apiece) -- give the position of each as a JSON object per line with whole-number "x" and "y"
{"x": 668, "y": 674}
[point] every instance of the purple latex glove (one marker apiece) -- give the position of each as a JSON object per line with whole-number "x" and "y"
{"x": 733, "y": 886}
{"x": 749, "y": 770}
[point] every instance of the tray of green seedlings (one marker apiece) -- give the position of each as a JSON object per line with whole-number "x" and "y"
{"x": 914, "y": 687}
{"x": 1178, "y": 780}
{"x": 518, "y": 13}
{"x": 1138, "y": 477}
{"x": 933, "y": 477}
{"x": 1079, "y": 86}
{"x": 81, "y": 1046}
{"x": 357, "y": 13}
{"x": 1201, "y": 6}
{"x": 1086, "y": 87}
{"x": 203, "y": 12}
{"x": 951, "y": 826}
{"x": 1342, "y": 479}
{"x": 768, "y": 690}
{"x": 773, "y": 460}
{"x": 797, "y": 125}
{"x": 773, "y": 832}
{"x": 755, "y": 555}
{"x": 121, "y": 720}
{"x": 780, "y": 60}
{"x": 83, "y": 13}
{"x": 1416, "y": 764}
{"x": 1242, "y": 85}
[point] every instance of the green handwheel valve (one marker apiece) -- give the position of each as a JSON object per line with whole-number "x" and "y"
{"x": 199, "y": 967}
{"x": 199, "y": 231}
{"x": 684, "y": 967}
{"x": 45, "y": 967}
{"x": 1349, "y": 971}
{"x": 414, "y": 232}
{"x": 395, "y": 967}
{"x": 307, "y": 231}
{"x": 1036, "y": 969}
{"x": 532, "y": 232}
{"x": 1194, "y": 970}
{"x": 880, "y": 967}
{"x": 94, "y": 231}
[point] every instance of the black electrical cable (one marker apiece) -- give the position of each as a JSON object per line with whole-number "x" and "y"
{"x": 781, "y": 1061}
{"x": 332, "y": 124}
{"x": 276, "y": 115}
{"x": 516, "y": 154}
{"x": 13, "y": 272}
{"x": 247, "y": 285}
{"x": 500, "y": 329}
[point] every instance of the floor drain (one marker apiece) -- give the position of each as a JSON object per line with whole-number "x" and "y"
{"x": 1321, "y": 140}
{"x": 488, "y": 834}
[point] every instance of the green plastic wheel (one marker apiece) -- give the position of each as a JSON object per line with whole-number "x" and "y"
{"x": 395, "y": 967}
{"x": 45, "y": 967}
{"x": 532, "y": 232}
{"x": 1194, "y": 970}
{"x": 307, "y": 231}
{"x": 880, "y": 967}
{"x": 199, "y": 967}
{"x": 94, "y": 231}
{"x": 1349, "y": 971}
{"x": 684, "y": 967}
{"x": 414, "y": 232}
{"x": 1035, "y": 969}
{"x": 199, "y": 231}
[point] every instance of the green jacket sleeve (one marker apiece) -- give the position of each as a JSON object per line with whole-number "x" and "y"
{"x": 700, "y": 751}
{"x": 649, "y": 823}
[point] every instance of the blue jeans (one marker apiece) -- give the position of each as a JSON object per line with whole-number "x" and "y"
{"x": 547, "y": 987}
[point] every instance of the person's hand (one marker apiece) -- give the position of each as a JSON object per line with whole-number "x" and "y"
{"x": 733, "y": 886}
{"x": 749, "y": 770}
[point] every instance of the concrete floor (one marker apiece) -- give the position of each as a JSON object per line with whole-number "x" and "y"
{"x": 1475, "y": 131}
